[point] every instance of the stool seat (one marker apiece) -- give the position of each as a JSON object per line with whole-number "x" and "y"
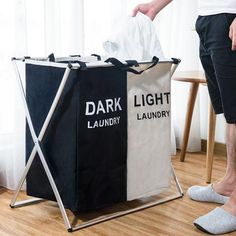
{"x": 195, "y": 78}
{"x": 190, "y": 76}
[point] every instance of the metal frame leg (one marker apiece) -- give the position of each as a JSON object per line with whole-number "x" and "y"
{"x": 37, "y": 147}
{"x": 177, "y": 181}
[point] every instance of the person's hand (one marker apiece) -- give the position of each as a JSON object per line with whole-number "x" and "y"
{"x": 147, "y": 9}
{"x": 232, "y": 34}
{"x": 151, "y": 9}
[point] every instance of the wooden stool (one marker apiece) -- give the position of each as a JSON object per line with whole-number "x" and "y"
{"x": 196, "y": 78}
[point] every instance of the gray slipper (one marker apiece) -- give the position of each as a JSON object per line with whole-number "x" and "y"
{"x": 206, "y": 194}
{"x": 217, "y": 221}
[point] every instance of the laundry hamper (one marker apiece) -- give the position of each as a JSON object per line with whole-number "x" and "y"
{"x": 101, "y": 129}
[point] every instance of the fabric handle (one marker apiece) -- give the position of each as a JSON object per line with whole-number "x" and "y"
{"x": 130, "y": 63}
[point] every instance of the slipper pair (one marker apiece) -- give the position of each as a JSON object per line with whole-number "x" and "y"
{"x": 217, "y": 221}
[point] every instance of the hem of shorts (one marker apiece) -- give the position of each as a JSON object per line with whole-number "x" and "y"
{"x": 219, "y": 112}
{"x": 230, "y": 121}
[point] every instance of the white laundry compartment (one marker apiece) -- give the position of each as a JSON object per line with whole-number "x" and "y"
{"x": 108, "y": 140}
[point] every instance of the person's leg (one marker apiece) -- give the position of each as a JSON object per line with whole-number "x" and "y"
{"x": 227, "y": 185}
{"x": 230, "y": 205}
{"x": 219, "y": 64}
{"x": 224, "y": 60}
{"x": 228, "y": 182}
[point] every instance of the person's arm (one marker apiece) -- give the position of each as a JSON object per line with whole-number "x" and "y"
{"x": 232, "y": 34}
{"x": 152, "y": 8}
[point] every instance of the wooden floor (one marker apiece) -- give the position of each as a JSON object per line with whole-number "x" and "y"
{"x": 171, "y": 218}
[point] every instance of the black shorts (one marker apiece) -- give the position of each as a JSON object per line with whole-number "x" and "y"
{"x": 219, "y": 62}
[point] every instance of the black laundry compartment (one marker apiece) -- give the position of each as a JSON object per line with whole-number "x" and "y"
{"x": 85, "y": 144}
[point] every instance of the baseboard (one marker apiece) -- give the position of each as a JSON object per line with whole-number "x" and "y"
{"x": 219, "y": 149}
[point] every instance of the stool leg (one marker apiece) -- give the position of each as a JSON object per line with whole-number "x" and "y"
{"x": 188, "y": 118}
{"x": 210, "y": 143}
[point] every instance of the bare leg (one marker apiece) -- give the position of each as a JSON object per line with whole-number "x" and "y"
{"x": 230, "y": 205}
{"x": 228, "y": 184}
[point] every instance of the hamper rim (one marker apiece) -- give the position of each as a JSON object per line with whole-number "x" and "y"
{"x": 88, "y": 64}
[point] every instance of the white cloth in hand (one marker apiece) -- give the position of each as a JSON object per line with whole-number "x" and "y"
{"x": 135, "y": 39}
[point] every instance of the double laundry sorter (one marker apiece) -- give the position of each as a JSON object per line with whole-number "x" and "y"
{"x": 97, "y": 133}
